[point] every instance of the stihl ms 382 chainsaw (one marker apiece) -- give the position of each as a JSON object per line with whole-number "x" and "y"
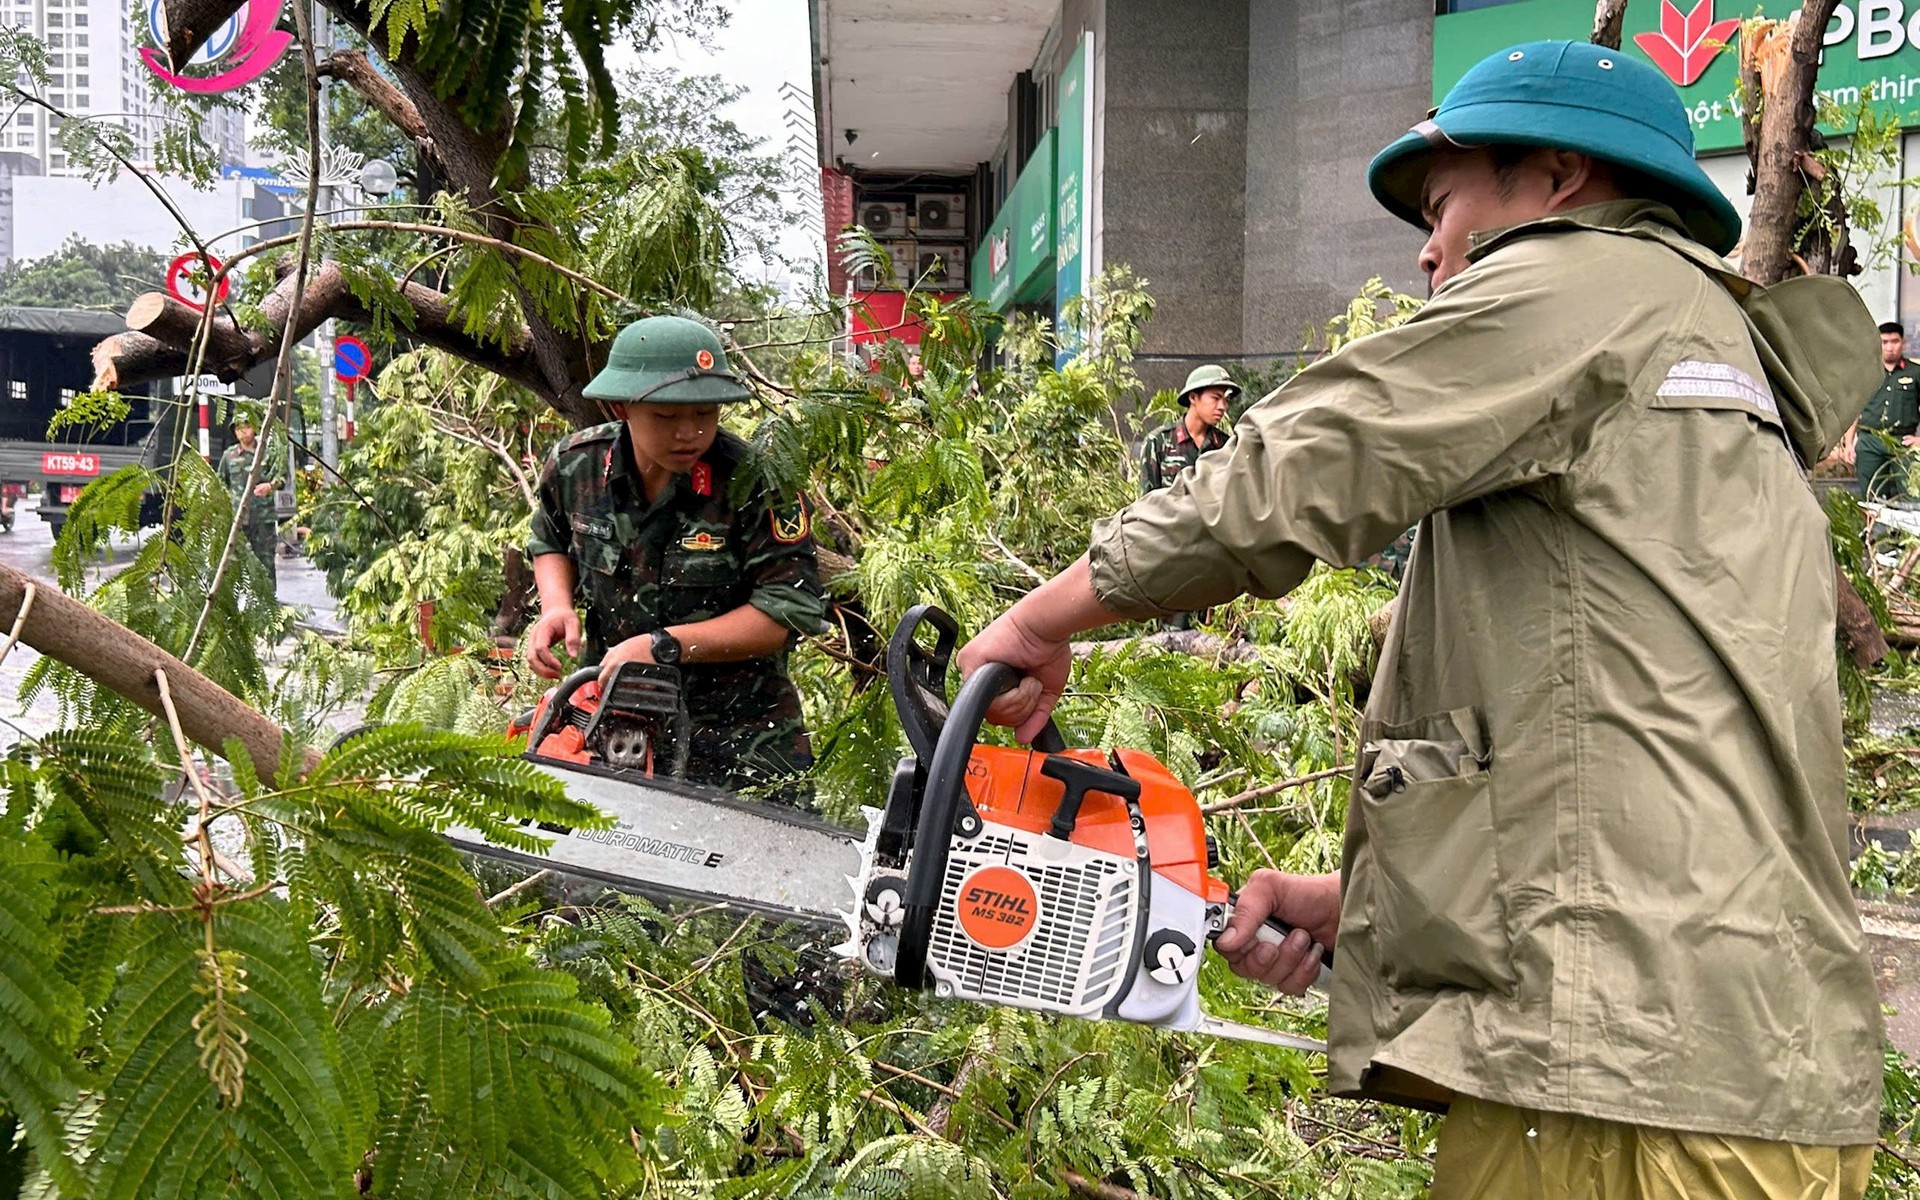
{"x": 1066, "y": 881}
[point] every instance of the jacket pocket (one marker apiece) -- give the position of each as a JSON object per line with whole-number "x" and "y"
{"x": 1436, "y": 901}
{"x": 601, "y": 556}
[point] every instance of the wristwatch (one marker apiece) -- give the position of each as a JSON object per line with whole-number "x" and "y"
{"x": 666, "y": 648}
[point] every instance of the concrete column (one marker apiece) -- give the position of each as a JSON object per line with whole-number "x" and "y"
{"x": 1329, "y": 83}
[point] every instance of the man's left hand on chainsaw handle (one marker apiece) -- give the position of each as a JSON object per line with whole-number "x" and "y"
{"x": 1033, "y": 637}
{"x": 1309, "y": 903}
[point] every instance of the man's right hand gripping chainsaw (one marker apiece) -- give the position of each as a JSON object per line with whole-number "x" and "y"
{"x": 1067, "y": 881}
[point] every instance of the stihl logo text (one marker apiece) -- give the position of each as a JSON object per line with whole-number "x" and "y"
{"x": 997, "y": 908}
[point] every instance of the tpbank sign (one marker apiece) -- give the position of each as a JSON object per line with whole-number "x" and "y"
{"x": 1872, "y": 52}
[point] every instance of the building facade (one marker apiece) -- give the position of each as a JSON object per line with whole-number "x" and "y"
{"x": 96, "y": 72}
{"x": 1219, "y": 147}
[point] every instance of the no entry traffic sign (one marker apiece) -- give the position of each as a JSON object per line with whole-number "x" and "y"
{"x": 351, "y": 359}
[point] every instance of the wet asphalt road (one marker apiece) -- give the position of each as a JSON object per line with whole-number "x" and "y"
{"x": 29, "y": 548}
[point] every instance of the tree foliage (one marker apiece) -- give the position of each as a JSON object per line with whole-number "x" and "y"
{"x": 82, "y": 275}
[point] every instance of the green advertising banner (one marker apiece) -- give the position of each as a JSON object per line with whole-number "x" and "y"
{"x": 1872, "y": 52}
{"x": 1071, "y": 167}
{"x": 1020, "y": 241}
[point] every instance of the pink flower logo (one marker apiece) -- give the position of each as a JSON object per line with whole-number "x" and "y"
{"x": 1687, "y": 42}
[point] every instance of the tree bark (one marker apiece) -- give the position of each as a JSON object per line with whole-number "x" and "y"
{"x": 1609, "y": 16}
{"x": 352, "y": 68}
{"x": 122, "y": 661}
{"x": 1779, "y": 62}
{"x": 161, "y": 331}
{"x": 1785, "y": 58}
{"x": 1178, "y": 641}
{"x": 190, "y": 23}
{"x": 1862, "y": 636}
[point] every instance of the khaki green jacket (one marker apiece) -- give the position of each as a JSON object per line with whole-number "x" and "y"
{"x": 1595, "y": 856}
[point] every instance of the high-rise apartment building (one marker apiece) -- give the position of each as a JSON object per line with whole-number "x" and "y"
{"x": 94, "y": 60}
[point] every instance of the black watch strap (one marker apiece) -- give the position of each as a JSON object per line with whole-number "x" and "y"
{"x": 666, "y": 648}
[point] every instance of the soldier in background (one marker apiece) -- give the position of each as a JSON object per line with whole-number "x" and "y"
{"x": 1889, "y": 424}
{"x": 644, "y": 550}
{"x": 1174, "y": 447}
{"x": 260, "y": 524}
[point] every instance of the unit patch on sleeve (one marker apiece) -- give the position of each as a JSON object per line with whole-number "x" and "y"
{"x": 790, "y": 524}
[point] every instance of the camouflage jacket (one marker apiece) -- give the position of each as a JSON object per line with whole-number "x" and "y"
{"x": 1171, "y": 449}
{"x": 235, "y": 465}
{"x": 698, "y": 551}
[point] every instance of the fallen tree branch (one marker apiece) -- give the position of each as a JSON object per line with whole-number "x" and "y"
{"x": 122, "y": 661}
{"x": 1273, "y": 789}
{"x": 1177, "y": 641}
{"x": 159, "y": 329}
{"x": 1098, "y": 1189}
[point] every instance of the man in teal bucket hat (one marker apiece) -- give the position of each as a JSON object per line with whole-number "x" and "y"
{"x": 1593, "y": 893}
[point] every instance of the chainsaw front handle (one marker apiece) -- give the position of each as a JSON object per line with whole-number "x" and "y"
{"x": 562, "y": 699}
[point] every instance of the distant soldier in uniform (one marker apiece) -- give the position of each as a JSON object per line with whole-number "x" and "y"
{"x": 260, "y": 525}
{"x": 1890, "y": 422}
{"x": 1174, "y": 447}
{"x": 648, "y": 547}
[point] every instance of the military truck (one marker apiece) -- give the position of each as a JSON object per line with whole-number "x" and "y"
{"x": 45, "y": 361}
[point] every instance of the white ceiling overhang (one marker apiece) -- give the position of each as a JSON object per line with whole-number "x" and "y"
{"x": 922, "y": 85}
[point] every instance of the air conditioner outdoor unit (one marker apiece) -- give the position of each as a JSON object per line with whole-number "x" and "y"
{"x": 940, "y": 214}
{"x": 904, "y": 269}
{"x": 884, "y": 219}
{"x": 942, "y": 268}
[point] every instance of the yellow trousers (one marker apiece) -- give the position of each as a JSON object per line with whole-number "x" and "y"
{"x": 1491, "y": 1151}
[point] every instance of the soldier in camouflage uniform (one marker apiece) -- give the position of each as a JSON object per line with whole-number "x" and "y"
{"x": 650, "y": 545}
{"x": 261, "y": 526}
{"x": 1174, "y": 447}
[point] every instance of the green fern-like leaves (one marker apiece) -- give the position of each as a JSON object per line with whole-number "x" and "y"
{"x": 174, "y": 1123}
{"x": 40, "y": 1012}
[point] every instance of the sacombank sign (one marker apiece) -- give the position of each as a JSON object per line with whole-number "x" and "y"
{"x": 1872, "y": 52}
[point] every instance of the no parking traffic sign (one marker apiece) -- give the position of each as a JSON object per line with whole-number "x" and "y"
{"x": 351, "y": 360}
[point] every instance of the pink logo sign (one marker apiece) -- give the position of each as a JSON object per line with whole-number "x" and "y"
{"x": 248, "y": 53}
{"x": 1687, "y": 42}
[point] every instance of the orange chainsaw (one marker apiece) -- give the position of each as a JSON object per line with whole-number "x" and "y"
{"x": 1069, "y": 881}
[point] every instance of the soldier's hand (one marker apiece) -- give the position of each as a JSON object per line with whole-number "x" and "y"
{"x": 263, "y": 489}
{"x": 560, "y": 625}
{"x": 634, "y": 649}
{"x": 1043, "y": 665}
{"x": 1309, "y": 903}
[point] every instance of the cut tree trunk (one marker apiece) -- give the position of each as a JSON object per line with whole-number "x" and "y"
{"x": 161, "y": 331}
{"x": 1609, "y": 16}
{"x": 189, "y": 23}
{"x": 122, "y": 661}
{"x": 1779, "y": 62}
{"x": 1784, "y": 57}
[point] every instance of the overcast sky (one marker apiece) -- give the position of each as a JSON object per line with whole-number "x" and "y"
{"x": 766, "y": 43}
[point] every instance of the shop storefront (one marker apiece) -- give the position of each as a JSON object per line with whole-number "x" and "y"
{"x": 1872, "y": 62}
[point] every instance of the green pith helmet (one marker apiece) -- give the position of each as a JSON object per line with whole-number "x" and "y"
{"x": 666, "y": 360}
{"x": 1565, "y": 96}
{"x": 245, "y": 414}
{"x": 1206, "y": 377}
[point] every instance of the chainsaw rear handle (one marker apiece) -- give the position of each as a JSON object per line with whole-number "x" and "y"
{"x": 562, "y": 697}
{"x": 917, "y": 676}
